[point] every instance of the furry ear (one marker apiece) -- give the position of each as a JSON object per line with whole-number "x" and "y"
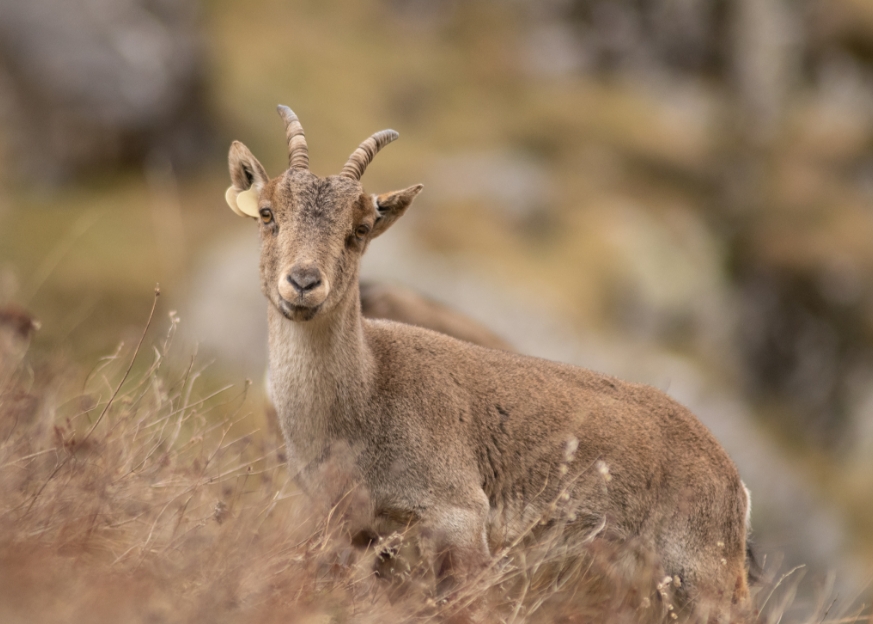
{"x": 248, "y": 178}
{"x": 390, "y": 206}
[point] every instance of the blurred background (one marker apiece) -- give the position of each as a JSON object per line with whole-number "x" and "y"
{"x": 676, "y": 192}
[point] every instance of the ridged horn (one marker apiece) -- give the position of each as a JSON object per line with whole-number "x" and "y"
{"x": 298, "y": 151}
{"x": 362, "y": 156}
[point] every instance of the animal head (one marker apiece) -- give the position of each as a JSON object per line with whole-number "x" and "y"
{"x": 313, "y": 230}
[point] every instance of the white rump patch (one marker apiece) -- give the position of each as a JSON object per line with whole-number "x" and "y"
{"x": 748, "y": 507}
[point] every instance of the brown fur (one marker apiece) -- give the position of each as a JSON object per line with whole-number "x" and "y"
{"x": 476, "y": 445}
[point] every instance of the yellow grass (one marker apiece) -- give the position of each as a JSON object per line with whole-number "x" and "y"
{"x": 130, "y": 494}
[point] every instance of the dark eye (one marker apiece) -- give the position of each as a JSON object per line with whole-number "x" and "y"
{"x": 266, "y": 215}
{"x": 362, "y": 231}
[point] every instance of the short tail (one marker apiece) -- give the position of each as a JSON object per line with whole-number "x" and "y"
{"x": 754, "y": 571}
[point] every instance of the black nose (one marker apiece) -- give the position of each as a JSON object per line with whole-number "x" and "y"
{"x": 304, "y": 279}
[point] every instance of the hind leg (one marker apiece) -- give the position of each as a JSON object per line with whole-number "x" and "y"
{"x": 715, "y": 592}
{"x": 456, "y": 539}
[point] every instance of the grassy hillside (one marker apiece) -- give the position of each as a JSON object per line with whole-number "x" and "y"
{"x": 135, "y": 497}
{"x": 612, "y": 196}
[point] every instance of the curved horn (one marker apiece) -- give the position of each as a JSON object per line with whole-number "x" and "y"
{"x": 298, "y": 152}
{"x": 362, "y": 156}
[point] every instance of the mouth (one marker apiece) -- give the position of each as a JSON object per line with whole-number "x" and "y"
{"x": 297, "y": 312}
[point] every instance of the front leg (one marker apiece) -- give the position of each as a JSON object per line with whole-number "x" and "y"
{"x": 455, "y": 537}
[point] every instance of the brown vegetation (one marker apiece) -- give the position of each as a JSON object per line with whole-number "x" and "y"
{"x": 645, "y": 214}
{"x": 140, "y": 498}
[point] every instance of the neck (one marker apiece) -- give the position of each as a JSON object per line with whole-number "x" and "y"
{"x": 319, "y": 374}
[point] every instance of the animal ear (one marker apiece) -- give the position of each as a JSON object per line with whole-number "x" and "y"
{"x": 248, "y": 178}
{"x": 389, "y": 207}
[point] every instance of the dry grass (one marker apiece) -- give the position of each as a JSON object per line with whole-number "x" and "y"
{"x": 135, "y": 497}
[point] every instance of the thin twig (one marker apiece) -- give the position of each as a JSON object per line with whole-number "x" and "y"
{"x": 105, "y": 409}
{"x": 778, "y": 583}
{"x": 129, "y": 367}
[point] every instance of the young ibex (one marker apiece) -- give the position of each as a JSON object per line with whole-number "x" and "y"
{"x": 395, "y": 303}
{"x": 474, "y": 445}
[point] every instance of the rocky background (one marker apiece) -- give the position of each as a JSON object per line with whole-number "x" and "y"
{"x": 678, "y": 192}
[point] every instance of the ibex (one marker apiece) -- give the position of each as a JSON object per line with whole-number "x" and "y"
{"x": 473, "y": 445}
{"x": 395, "y": 303}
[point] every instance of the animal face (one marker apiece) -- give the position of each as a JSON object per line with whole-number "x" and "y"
{"x": 313, "y": 230}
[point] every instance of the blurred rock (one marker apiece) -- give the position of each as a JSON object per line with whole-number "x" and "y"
{"x": 553, "y": 50}
{"x": 765, "y": 64}
{"x": 87, "y": 84}
{"x": 511, "y": 183}
{"x": 424, "y": 14}
{"x": 667, "y": 284}
{"x": 862, "y": 432}
{"x": 805, "y": 349}
{"x": 842, "y": 24}
{"x": 622, "y": 35}
{"x": 792, "y": 138}
{"x": 225, "y": 312}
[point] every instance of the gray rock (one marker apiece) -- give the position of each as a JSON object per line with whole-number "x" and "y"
{"x": 88, "y": 83}
{"x": 509, "y": 182}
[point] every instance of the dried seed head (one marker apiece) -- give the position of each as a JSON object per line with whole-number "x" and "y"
{"x": 603, "y": 469}
{"x": 219, "y": 514}
{"x": 570, "y": 448}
